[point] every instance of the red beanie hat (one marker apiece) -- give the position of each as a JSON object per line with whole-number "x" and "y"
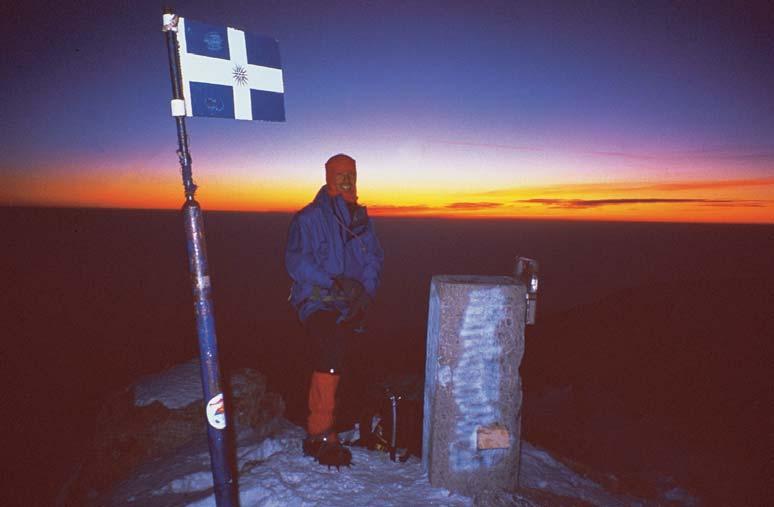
{"x": 341, "y": 164}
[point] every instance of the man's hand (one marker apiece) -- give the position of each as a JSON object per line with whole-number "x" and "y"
{"x": 348, "y": 288}
{"x": 353, "y": 291}
{"x": 358, "y": 308}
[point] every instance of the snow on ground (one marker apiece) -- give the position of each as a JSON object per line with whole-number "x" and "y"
{"x": 288, "y": 478}
{"x": 540, "y": 470}
{"x": 273, "y": 471}
{"x": 176, "y": 387}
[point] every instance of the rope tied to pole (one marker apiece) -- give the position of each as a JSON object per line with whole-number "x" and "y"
{"x": 185, "y": 170}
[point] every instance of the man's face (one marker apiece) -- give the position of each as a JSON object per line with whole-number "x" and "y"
{"x": 345, "y": 181}
{"x": 341, "y": 177}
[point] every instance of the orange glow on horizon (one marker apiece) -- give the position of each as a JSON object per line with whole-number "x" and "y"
{"x": 722, "y": 201}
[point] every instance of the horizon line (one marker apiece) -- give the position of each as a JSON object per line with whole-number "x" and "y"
{"x": 411, "y": 216}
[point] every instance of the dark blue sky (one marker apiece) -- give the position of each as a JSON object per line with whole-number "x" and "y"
{"x": 435, "y": 86}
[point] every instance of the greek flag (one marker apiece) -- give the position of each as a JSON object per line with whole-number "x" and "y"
{"x": 228, "y": 73}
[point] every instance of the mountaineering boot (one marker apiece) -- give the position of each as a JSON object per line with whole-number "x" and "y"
{"x": 312, "y": 445}
{"x": 333, "y": 454}
{"x": 327, "y": 450}
{"x": 322, "y": 443}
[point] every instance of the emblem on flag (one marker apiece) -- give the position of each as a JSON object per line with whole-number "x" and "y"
{"x": 228, "y": 73}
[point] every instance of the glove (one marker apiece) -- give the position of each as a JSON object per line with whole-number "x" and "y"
{"x": 347, "y": 288}
{"x": 358, "y": 307}
{"x": 357, "y": 298}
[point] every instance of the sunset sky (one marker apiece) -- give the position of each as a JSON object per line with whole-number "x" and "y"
{"x": 613, "y": 110}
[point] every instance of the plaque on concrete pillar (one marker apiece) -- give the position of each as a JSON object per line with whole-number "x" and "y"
{"x": 472, "y": 417}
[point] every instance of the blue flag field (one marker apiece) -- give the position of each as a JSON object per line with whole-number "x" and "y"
{"x": 228, "y": 73}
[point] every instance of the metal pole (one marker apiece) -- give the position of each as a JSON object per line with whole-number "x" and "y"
{"x": 215, "y": 408}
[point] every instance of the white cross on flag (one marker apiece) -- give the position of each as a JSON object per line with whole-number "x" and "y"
{"x": 228, "y": 73}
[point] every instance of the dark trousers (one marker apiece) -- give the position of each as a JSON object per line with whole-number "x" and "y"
{"x": 330, "y": 342}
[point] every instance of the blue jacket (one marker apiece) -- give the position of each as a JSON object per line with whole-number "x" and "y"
{"x": 324, "y": 241}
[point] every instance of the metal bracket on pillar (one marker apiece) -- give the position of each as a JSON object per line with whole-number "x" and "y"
{"x": 526, "y": 272}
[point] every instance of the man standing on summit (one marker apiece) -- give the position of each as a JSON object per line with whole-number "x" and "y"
{"x": 335, "y": 260}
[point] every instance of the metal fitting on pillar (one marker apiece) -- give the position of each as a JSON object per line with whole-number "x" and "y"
{"x": 526, "y": 271}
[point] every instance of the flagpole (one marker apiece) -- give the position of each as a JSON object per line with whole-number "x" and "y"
{"x": 215, "y": 408}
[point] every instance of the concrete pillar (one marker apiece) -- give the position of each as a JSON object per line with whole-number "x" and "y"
{"x": 471, "y": 438}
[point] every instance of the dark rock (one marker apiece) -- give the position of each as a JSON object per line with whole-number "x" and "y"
{"x": 128, "y": 435}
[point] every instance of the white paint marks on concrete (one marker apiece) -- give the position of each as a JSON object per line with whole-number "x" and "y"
{"x": 444, "y": 376}
{"x": 476, "y": 380}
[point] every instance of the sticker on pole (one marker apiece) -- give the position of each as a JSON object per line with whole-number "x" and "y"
{"x": 216, "y": 412}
